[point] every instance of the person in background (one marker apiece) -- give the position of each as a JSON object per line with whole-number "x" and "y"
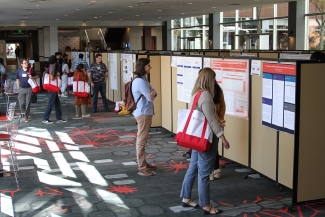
{"x": 317, "y": 55}
{"x": 97, "y": 47}
{"x": 24, "y": 88}
{"x": 17, "y": 52}
{"x": 81, "y": 102}
{"x": 220, "y": 104}
{"x": 81, "y": 61}
{"x": 58, "y": 56}
{"x": 98, "y": 76}
{"x": 88, "y": 48}
{"x": 3, "y": 74}
{"x": 143, "y": 113}
{"x": 53, "y": 96}
{"x": 202, "y": 163}
{"x": 64, "y": 78}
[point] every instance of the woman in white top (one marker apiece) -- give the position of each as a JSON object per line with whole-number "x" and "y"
{"x": 64, "y": 78}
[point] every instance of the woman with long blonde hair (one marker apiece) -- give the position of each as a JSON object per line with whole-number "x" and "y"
{"x": 202, "y": 163}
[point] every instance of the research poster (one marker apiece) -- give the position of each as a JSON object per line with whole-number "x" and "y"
{"x": 74, "y": 58}
{"x": 112, "y": 58}
{"x": 233, "y": 77}
{"x": 127, "y": 67}
{"x": 278, "y": 96}
{"x": 187, "y": 73}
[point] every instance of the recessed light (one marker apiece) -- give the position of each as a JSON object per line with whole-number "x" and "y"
{"x": 66, "y": 15}
{"x": 159, "y": 10}
{"x": 182, "y": 13}
{"x": 190, "y": 3}
{"x": 130, "y": 6}
{"x": 93, "y": 1}
{"x": 95, "y": 17}
{"x": 214, "y": 7}
{"x": 110, "y": 12}
{"x": 57, "y": 19}
{"x": 77, "y": 9}
{"x": 121, "y": 19}
{"x": 159, "y": 17}
{"x": 136, "y": 15}
{"x": 36, "y": 5}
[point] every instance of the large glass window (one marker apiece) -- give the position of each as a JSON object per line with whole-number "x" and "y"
{"x": 316, "y": 25}
{"x": 190, "y": 33}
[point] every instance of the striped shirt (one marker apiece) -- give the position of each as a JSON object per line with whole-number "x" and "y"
{"x": 81, "y": 61}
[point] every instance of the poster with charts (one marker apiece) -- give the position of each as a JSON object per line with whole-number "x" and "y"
{"x": 233, "y": 77}
{"x": 278, "y": 96}
{"x": 127, "y": 67}
{"x": 112, "y": 57}
{"x": 187, "y": 72}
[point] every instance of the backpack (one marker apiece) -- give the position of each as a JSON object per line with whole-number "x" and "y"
{"x": 130, "y": 104}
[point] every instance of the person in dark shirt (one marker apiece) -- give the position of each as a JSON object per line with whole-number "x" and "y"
{"x": 24, "y": 88}
{"x": 17, "y": 52}
{"x": 98, "y": 76}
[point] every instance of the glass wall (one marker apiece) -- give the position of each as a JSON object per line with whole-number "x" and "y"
{"x": 316, "y": 25}
{"x": 262, "y": 28}
{"x": 190, "y": 33}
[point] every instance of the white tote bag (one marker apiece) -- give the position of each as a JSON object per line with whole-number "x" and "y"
{"x": 193, "y": 129}
{"x": 34, "y": 84}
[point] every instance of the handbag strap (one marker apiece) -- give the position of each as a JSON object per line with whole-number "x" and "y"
{"x": 196, "y": 99}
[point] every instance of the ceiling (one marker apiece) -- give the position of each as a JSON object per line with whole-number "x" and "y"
{"x": 106, "y": 13}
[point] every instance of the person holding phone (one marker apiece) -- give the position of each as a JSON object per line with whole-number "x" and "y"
{"x": 24, "y": 88}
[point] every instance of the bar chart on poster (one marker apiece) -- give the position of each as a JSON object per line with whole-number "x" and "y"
{"x": 278, "y": 96}
{"x": 233, "y": 77}
{"x": 187, "y": 73}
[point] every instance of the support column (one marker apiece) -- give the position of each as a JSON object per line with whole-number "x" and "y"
{"x": 147, "y": 38}
{"x": 166, "y": 36}
{"x": 297, "y": 25}
{"x": 50, "y": 41}
{"x": 215, "y": 37}
{"x": 41, "y": 44}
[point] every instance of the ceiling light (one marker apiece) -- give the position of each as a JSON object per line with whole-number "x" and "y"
{"x": 36, "y": 5}
{"x": 214, "y": 7}
{"x": 190, "y": 3}
{"x": 93, "y": 1}
{"x": 110, "y": 12}
{"x": 77, "y": 9}
{"x": 95, "y": 17}
{"x": 130, "y": 6}
{"x": 121, "y": 19}
{"x": 182, "y": 13}
{"x": 159, "y": 10}
{"x": 136, "y": 15}
{"x": 66, "y": 15}
{"x": 159, "y": 17}
{"x": 57, "y": 19}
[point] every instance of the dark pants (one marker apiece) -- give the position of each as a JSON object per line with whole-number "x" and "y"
{"x": 53, "y": 101}
{"x": 99, "y": 87}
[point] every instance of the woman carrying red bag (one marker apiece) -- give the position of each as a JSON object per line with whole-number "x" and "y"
{"x": 202, "y": 163}
{"x": 81, "y": 102}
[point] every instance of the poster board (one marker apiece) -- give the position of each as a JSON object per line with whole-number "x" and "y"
{"x": 233, "y": 77}
{"x": 309, "y": 176}
{"x": 278, "y": 95}
{"x": 127, "y": 67}
{"x": 113, "y": 74}
{"x": 166, "y": 93}
{"x": 187, "y": 73}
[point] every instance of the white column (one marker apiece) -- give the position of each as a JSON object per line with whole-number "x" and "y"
{"x": 54, "y": 42}
{"x": 46, "y": 42}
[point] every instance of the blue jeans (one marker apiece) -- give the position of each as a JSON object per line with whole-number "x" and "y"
{"x": 53, "y": 101}
{"x": 202, "y": 163}
{"x": 99, "y": 87}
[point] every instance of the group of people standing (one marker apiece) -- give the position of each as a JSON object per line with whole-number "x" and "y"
{"x": 60, "y": 67}
{"x": 205, "y": 165}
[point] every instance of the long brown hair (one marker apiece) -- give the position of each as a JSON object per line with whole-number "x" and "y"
{"x": 205, "y": 81}
{"x": 139, "y": 68}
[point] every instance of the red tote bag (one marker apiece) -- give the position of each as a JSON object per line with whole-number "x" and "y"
{"x": 193, "y": 129}
{"x": 80, "y": 88}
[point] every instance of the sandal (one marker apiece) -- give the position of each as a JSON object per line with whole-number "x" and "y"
{"x": 188, "y": 204}
{"x": 215, "y": 211}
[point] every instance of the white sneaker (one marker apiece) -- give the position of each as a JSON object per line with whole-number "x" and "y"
{"x": 86, "y": 116}
{"x": 63, "y": 95}
{"x": 217, "y": 173}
